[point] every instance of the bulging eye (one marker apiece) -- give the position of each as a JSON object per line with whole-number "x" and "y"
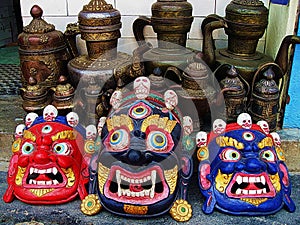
{"x": 230, "y": 155}
{"x": 157, "y": 141}
{"x": 62, "y": 149}
{"x": 119, "y": 140}
{"x": 27, "y": 148}
{"x": 268, "y": 155}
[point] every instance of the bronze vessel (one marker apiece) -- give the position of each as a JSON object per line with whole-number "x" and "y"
{"x": 171, "y": 20}
{"x": 43, "y": 59}
{"x": 234, "y": 89}
{"x": 245, "y": 23}
{"x": 264, "y": 100}
{"x": 194, "y": 86}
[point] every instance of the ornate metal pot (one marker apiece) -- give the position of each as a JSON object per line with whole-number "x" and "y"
{"x": 195, "y": 83}
{"x": 43, "y": 59}
{"x": 171, "y": 20}
{"x": 99, "y": 25}
{"x": 264, "y": 100}
{"x": 235, "y": 90}
{"x": 244, "y": 23}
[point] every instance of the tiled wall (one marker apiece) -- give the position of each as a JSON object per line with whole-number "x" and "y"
{"x": 62, "y": 12}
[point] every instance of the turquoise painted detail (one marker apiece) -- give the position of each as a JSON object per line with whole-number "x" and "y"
{"x": 292, "y": 111}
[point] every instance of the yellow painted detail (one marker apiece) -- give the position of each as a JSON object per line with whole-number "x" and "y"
{"x": 171, "y": 178}
{"x": 70, "y": 176}
{"x": 28, "y": 135}
{"x": 136, "y": 210}
{"x": 223, "y": 141}
{"x": 103, "y": 173}
{"x": 222, "y": 181}
{"x": 181, "y": 210}
{"x": 66, "y": 134}
{"x": 117, "y": 121}
{"x": 266, "y": 142}
{"x": 163, "y": 123}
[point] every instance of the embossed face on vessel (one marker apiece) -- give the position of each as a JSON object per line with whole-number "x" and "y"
{"x": 47, "y": 166}
{"x": 246, "y": 176}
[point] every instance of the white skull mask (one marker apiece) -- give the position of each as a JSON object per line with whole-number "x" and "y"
{"x": 72, "y": 119}
{"x": 276, "y": 139}
{"x": 187, "y": 125}
{"x": 91, "y": 132}
{"x": 101, "y": 124}
{"x": 264, "y": 126}
{"x": 19, "y": 130}
{"x": 201, "y": 139}
{"x": 171, "y": 99}
{"x": 50, "y": 113}
{"x": 244, "y": 120}
{"x": 219, "y": 126}
{"x": 116, "y": 99}
{"x": 141, "y": 86}
{"x": 29, "y": 119}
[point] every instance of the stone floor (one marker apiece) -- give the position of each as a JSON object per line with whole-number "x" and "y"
{"x": 69, "y": 214}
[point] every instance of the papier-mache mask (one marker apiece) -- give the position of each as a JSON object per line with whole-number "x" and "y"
{"x": 47, "y": 165}
{"x": 242, "y": 171}
{"x": 143, "y": 163}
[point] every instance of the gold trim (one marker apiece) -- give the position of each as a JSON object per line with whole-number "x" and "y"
{"x": 16, "y": 145}
{"x": 202, "y": 153}
{"x": 28, "y": 135}
{"x": 90, "y": 205}
{"x": 20, "y": 175}
{"x": 117, "y": 121}
{"x": 171, "y": 178}
{"x": 41, "y": 192}
{"x": 275, "y": 180}
{"x": 70, "y": 176}
{"x": 222, "y": 181}
{"x": 254, "y": 201}
{"x": 266, "y": 142}
{"x": 163, "y": 123}
{"x": 66, "y": 134}
{"x": 136, "y": 210}
{"x": 181, "y": 210}
{"x": 103, "y": 173}
{"x": 280, "y": 153}
{"x": 223, "y": 141}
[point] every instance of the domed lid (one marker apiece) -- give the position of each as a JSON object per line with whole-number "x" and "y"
{"x": 267, "y": 85}
{"x": 40, "y": 35}
{"x": 99, "y": 13}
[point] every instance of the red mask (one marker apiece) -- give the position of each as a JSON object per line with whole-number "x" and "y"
{"x": 47, "y": 166}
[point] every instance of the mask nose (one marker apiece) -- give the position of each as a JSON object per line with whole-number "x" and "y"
{"x": 42, "y": 153}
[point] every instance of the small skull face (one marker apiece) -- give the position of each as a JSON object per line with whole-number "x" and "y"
{"x": 201, "y": 139}
{"x": 276, "y": 138}
{"x": 101, "y": 124}
{"x": 244, "y": 120}
{"x": 19, "y": 131}
{"x": 187, "y": 125}
{"x": 72, "y": 119}
{"x": 171, "y": 99}
{"x": 91, "y": 132}
{"x": 116, "y": 99}
{"x": 219, "y": 126}
{"x": 264, "y": 126}
{"x": 29, "y": 119}
{"x": 50, "y": 113}
{"x": 141, "y": 86}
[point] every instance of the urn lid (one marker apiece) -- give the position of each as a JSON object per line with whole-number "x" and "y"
{"x": 99, "y": 17}
{"x": 40, "y": 35}
{"x": 267, "y": 85}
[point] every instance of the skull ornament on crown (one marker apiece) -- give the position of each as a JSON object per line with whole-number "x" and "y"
{"x": 47, "y": 165}
{"x": 142, "y": 168}
{"x": 243, "y": 172}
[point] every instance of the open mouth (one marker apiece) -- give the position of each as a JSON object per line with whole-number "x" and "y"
{"x": 146, "y": 187}
{"x": 250, "y": 185}
{"x": 39, "y": 178}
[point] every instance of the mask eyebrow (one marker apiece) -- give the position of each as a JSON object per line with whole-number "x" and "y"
{"x": 117, "y": 121}
{"x": 223, "y": 141}
{"x": 29, "y": 135}
{"x": 66, "y": 134}
{"x": 163, "y": 123}
{"x": 266, "y": 142}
